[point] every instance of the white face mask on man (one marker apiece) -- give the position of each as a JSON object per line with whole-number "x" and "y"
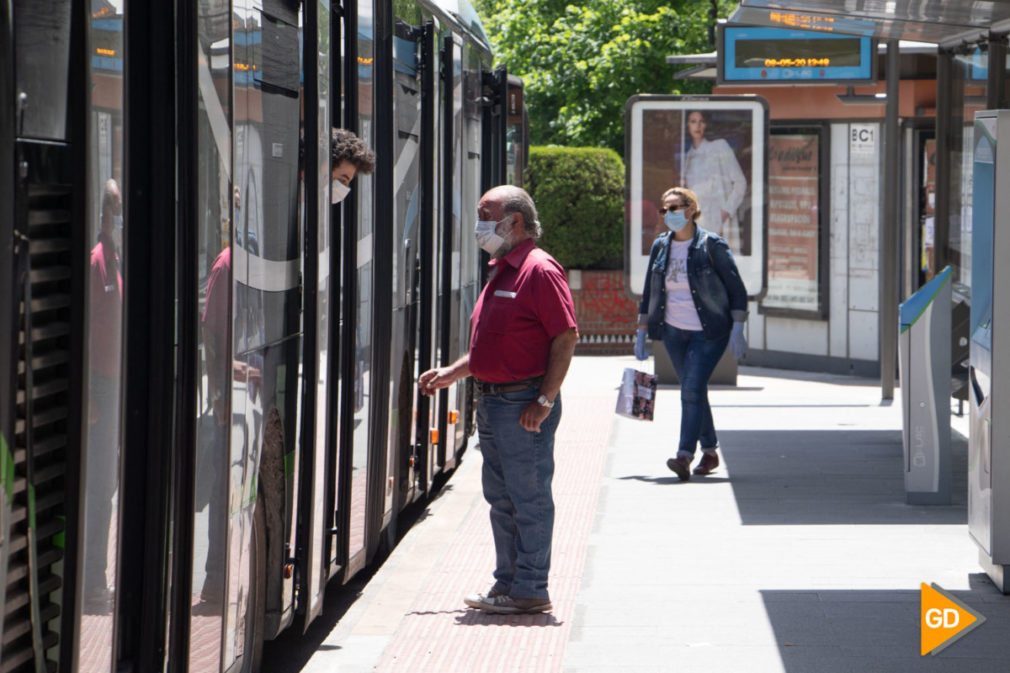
{"x": 338, "y": 191}
{"x": 488, "y": 238}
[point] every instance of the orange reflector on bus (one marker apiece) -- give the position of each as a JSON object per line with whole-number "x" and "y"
{"x": 289, "y": 570}
{"x": 433, "y": 435}
{"x": 453, "y": 417}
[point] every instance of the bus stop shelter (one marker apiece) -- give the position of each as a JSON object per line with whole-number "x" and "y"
{"x": 971, "y": 74}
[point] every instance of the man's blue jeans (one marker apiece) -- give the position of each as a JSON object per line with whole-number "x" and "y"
{"x": 517, "y": 474}
{"x": 694, "y": 359}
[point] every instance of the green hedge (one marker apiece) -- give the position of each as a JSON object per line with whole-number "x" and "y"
{"x": 579, "y": 192}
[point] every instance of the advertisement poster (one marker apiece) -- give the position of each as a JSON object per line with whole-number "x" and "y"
{"x": 714, "y": 146}
{"x": 793, "y": 222}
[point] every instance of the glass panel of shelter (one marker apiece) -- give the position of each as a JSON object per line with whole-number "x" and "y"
{"x": 968, "y": 95}
{"x": 927, "y": 178}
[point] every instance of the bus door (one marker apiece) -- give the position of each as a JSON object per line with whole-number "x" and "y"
{"x": 207, "y": 297}
{"x": 427, "y": 266}
{"x": 406, "y": 266}
{"x": 495, "y": 127}
{"x": 266, "y": 325}
{"x": 447, "y": 272}
{"x": 359, "y": 270}
{"x": 322, "y": 307}
{"x": 102, "y": 245}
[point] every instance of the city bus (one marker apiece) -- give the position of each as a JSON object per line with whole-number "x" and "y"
{"x": 208, "y": 400}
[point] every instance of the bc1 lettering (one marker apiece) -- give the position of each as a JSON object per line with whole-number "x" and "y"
{"x": 862, "y": 135}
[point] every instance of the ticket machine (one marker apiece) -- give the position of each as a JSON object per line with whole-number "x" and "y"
{"x": 989, "y": 347}
{"x": 924, "y": 363}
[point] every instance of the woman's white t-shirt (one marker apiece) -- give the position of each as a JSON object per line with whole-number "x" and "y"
{"x": 680, "y": 310}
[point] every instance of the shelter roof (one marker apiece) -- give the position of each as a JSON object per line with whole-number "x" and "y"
{"x": 944, "y": 22}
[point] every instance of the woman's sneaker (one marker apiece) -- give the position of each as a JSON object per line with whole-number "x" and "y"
{"x": 708, "y": 463}
{"x": 681, "y": 465}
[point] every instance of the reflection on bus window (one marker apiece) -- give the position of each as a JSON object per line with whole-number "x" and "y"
{"x": 107, "y": 228}
{"x": 215, "y": 197}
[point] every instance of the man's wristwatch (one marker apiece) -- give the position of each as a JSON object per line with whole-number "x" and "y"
{"x": 544, "y": 402}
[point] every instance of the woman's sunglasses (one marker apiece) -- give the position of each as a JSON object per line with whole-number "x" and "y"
{"x": 673, "y": 209}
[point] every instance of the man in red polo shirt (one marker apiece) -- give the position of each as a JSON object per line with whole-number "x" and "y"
{"x": 105, "y": 341}
{"x": 522, "y": 337}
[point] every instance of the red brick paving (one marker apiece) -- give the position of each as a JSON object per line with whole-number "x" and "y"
{"x": 95, "y": 643}
{"x": 441, "y": 634}
{"x": 205, "y": 643}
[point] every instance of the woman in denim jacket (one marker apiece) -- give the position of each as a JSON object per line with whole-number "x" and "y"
{"x": 696, "y": 303}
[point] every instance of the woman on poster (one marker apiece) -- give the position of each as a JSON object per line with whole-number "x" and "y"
{"x": 712, "y": 171}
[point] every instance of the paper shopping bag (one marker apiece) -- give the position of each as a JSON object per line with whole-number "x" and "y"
{"x": 636, "y": 397}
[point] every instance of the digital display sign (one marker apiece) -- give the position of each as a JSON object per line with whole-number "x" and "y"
{"x": 757, "y": 55}
{"x": 804, "y": 21}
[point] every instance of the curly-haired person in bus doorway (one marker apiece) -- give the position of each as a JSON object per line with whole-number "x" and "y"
{"x": 695, "y": 303}
{"x": 522, "y": 338}
{"x": 349, "y": 155}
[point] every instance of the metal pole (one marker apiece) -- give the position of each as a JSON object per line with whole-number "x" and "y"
{"x": 889, "y": 229}
{"x": 995, "y": 94}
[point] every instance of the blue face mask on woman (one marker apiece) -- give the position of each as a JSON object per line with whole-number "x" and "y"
{"x": 675, "y": 220}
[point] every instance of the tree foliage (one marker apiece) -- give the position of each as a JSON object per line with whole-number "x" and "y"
{"x": 580, "y": 62}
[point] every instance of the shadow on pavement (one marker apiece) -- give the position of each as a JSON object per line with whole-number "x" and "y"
{"x": 478, "y": 618}
{"x": 879, "y": 631}
{"x": 291, "y": 650}
{"x": 813, "y": 477}
{"x": 673, "y": 479}
{"x": 819, "y": 377}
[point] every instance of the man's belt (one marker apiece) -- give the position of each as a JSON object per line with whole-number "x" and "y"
{"x": 486, "y": 388}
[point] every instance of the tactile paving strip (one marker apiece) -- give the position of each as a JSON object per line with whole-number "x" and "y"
{"x": 439, "y": 633}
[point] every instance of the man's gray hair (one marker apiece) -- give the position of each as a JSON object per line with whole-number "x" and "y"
{"x": 517, "y": 200}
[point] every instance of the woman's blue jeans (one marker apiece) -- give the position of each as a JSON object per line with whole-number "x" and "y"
{"x": 517, "y": 474}
{"x": 694, "y": 359}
